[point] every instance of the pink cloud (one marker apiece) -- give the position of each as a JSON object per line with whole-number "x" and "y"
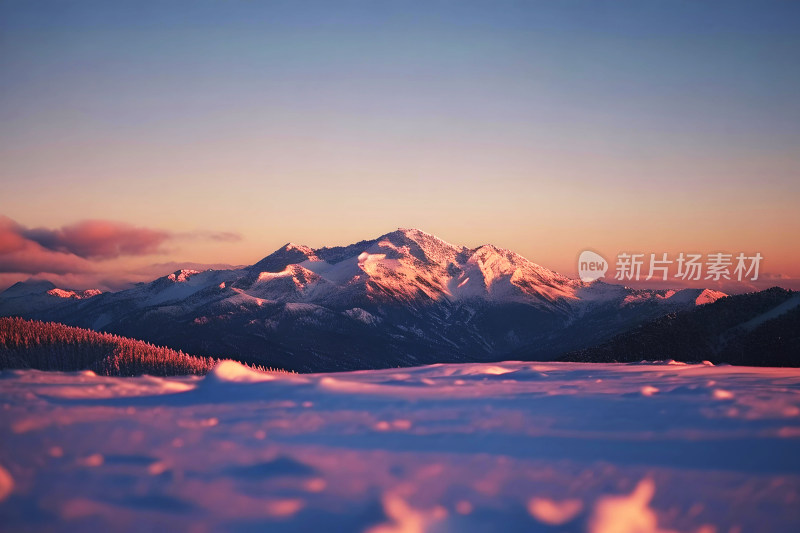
{"x": 99, "y": 239}
{"x": 22, "y": 255}
{"x": 219, "y": 236}
{"x": 36, "y": 260}
{"x": 75, "y": 253}
{"x": 11, "y": 239}
{"x": 96, "y": 239}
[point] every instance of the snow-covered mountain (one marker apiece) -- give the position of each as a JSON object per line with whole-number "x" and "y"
{"x": 754, "y": 329}
{"x": 25, "y": 298}
{"x": 404, "y": 298}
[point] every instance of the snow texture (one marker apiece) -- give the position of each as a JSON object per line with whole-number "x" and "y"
{"x": 447, "y": 448}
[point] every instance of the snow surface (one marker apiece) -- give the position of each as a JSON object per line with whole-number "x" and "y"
{"x": 447, "y": 448}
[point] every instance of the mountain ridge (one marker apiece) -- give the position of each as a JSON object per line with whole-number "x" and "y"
{"x": 754, "y": 329}
{"x": 405, "y": 297}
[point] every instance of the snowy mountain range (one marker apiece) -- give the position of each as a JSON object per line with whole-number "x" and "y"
{"x": 404, "y": 298}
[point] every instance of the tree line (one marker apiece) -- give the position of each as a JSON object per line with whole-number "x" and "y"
{"x": 51, "y": 346}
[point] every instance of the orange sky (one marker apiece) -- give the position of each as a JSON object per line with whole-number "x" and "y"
{"x": 545, "y": 131}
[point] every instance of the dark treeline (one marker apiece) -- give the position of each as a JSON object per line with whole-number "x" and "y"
{"x": 51, "y": 346}
{"x": 745, "y": 329}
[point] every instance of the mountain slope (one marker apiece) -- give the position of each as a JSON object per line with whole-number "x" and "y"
{"x": 404, "y": 298}
{"x": 756, "y": 329}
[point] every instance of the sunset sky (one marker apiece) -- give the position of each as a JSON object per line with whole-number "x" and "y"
{"x": 135, "y": 134}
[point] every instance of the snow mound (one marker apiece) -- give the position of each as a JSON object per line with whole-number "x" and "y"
{"x": 627, "y": 514}
{"x": 6, "y": 483}
{"x": 233, "y": 372}
{"x": 479, "y": 370}
{"x": 552, "y": 512}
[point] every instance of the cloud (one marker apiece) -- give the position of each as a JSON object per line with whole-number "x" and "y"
{"x": 22, "y": 255}
{"x": 219, "y": 236}
{"x": 109, "y": 280}
{"x": 36, "y": 260}
{"x": 225, "y": 236}
{"x": 99, "y": 239}
{"x": 11, "y": 239}
{"x": 76, "y": 248}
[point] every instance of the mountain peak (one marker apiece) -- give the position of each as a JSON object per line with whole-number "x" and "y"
{"x": 302, "y": 248}
{"x": 707, "y": 296}
{"x": 410, "y": 293}
{"x": 77, "y": 295}
{"x": 426, "y": 247}
{"x": 40, "y": 287}
{"x": 412, "y": 234}
{"x": 31, "y": 286}
{"x": 182, "y": 275}
{"x": 288, "y": 254}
